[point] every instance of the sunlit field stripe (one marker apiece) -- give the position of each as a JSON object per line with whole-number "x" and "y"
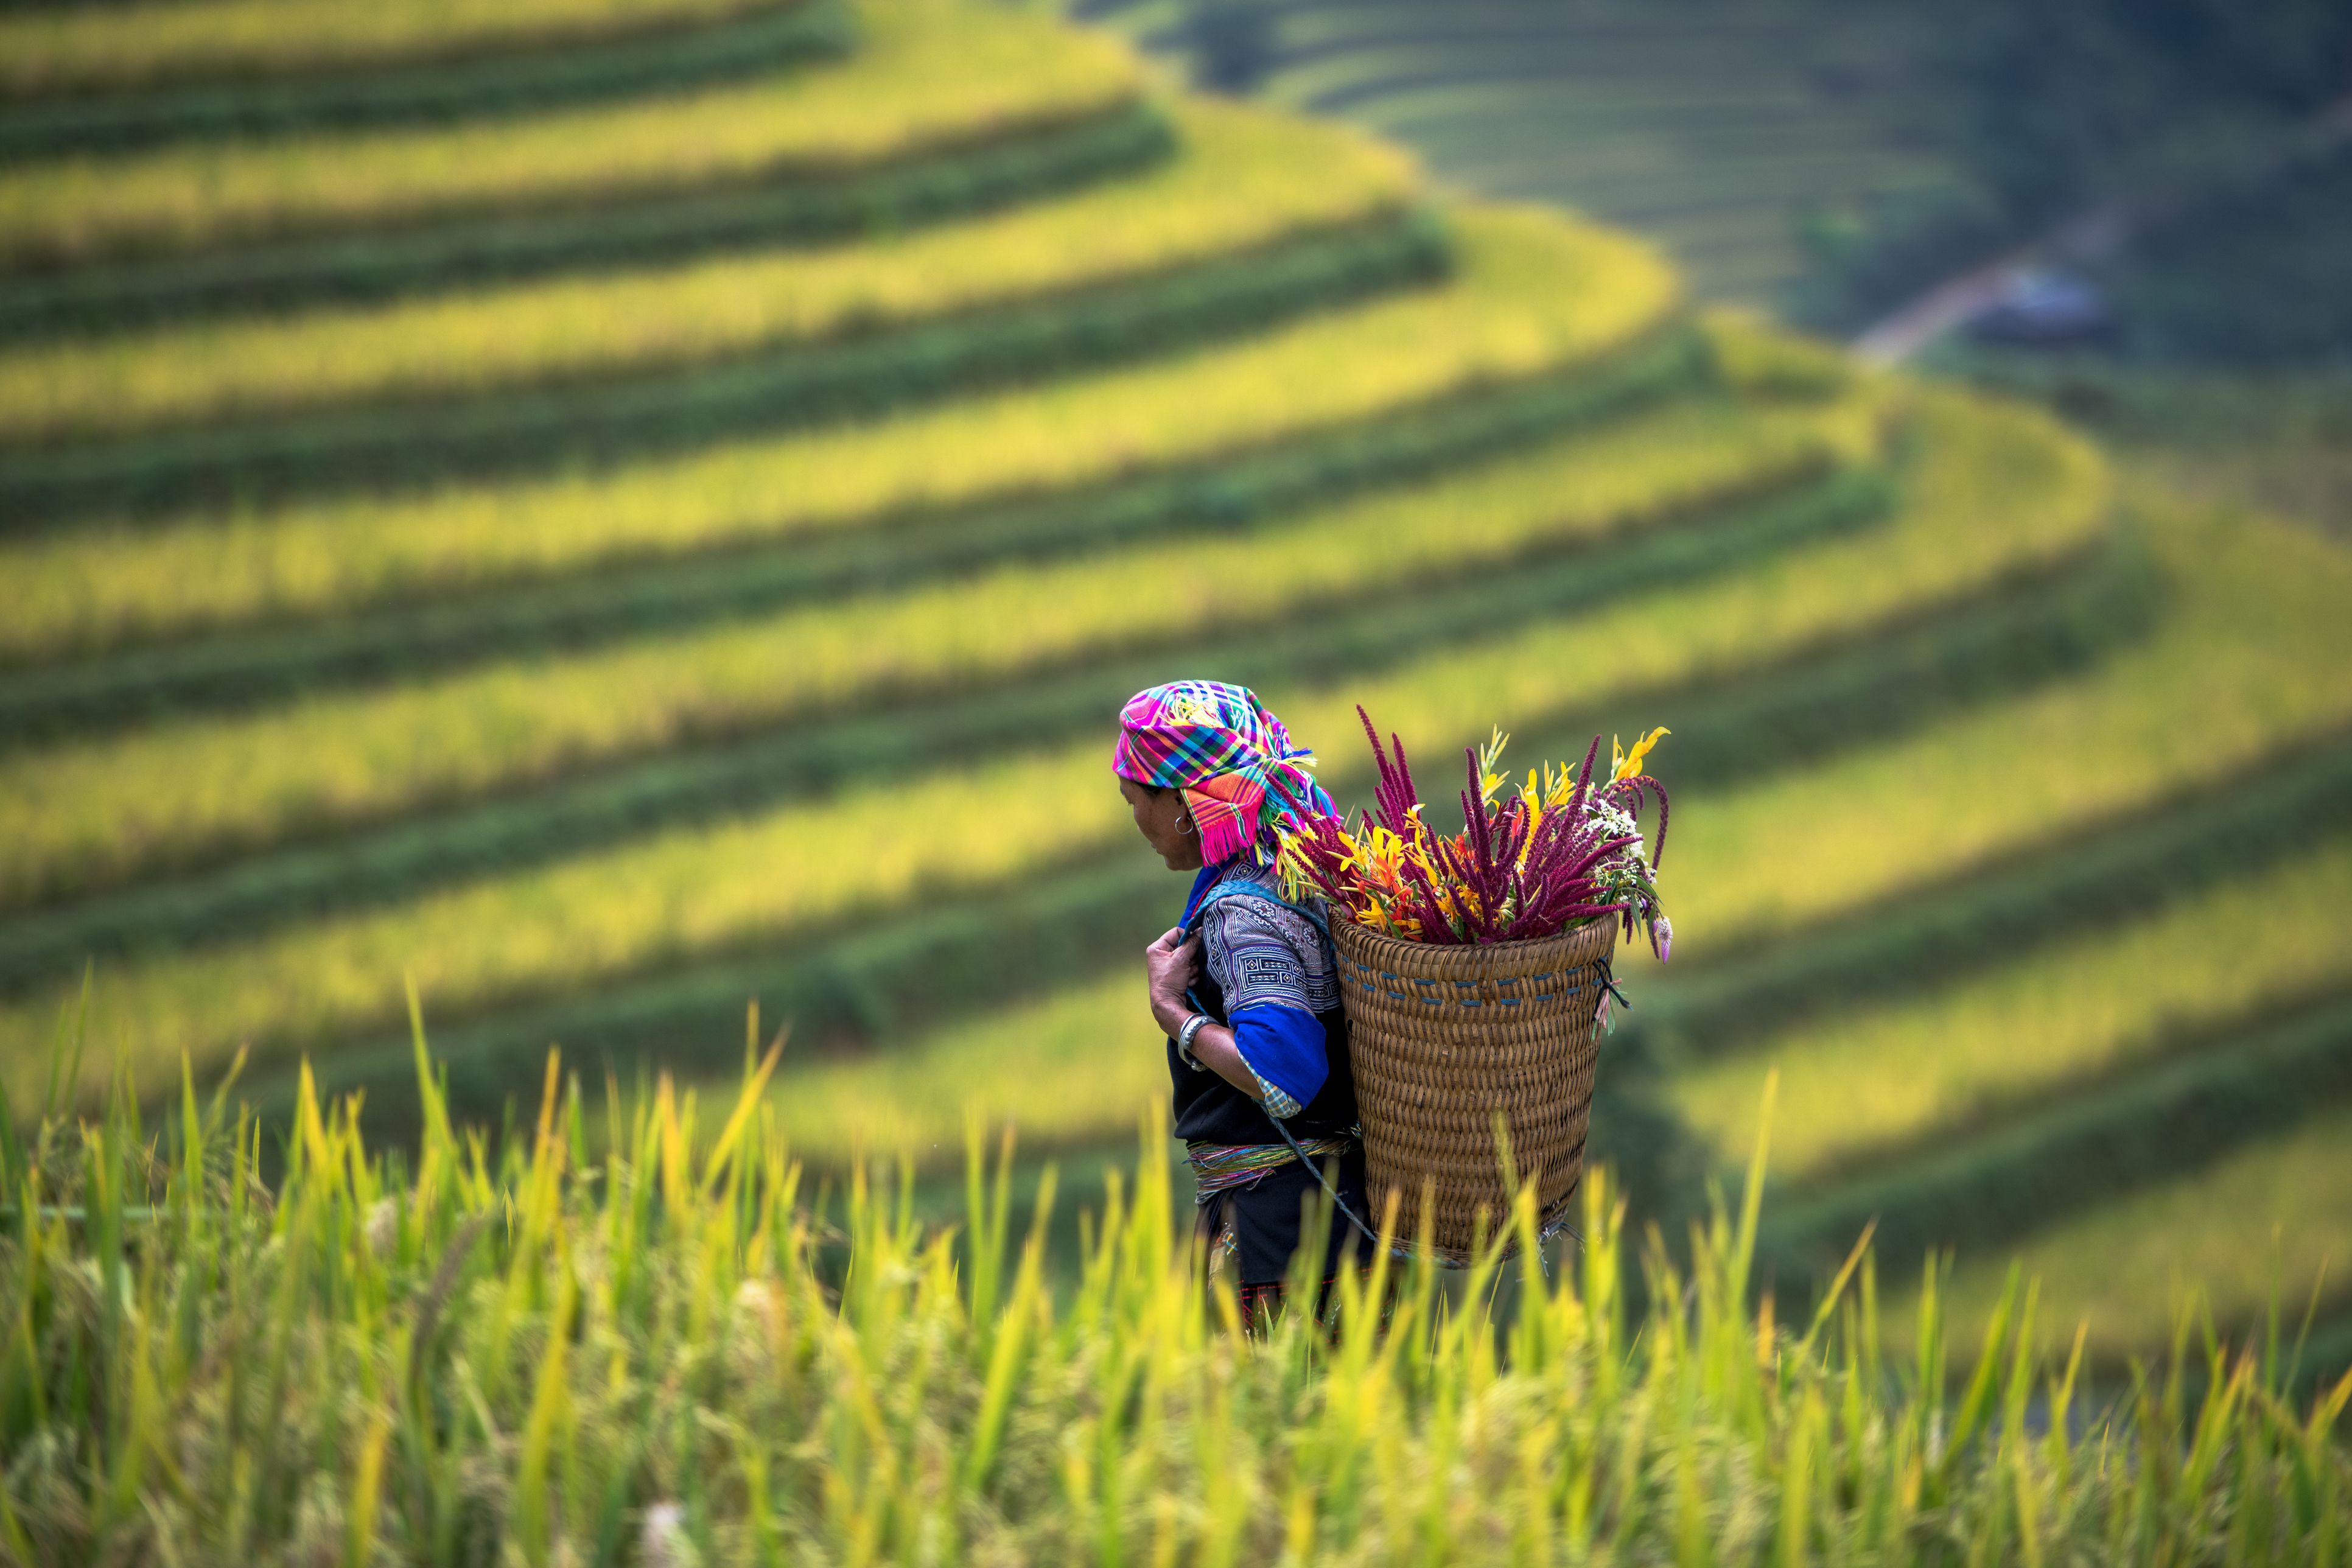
{"x": 2095, "y": 1002}
{"x": 1535, "y": 293}
{"x": 93, "y": 811}
{"x": 60, "y": 50}
{"x": 1995, "y": 489}
{"x": 1245, "y": 179}
{"x": 927, "y": 74}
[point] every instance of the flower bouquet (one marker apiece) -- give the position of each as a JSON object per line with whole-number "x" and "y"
{"x": 1560, "y": 853}
{"x": 1475, "y": 970}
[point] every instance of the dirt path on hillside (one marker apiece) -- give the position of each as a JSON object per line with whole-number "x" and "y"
{"x": 2087, "y": 238}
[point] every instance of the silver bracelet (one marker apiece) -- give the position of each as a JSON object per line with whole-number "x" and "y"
{"x": 1191, "y": 1026}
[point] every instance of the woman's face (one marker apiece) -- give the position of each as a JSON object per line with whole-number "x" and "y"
{"x": 1166, "y": 826}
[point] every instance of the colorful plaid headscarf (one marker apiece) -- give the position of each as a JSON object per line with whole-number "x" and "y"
{"x": 1240, "y": 775}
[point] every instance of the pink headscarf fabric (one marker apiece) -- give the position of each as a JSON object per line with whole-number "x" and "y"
{"x": 1234, "y": 762}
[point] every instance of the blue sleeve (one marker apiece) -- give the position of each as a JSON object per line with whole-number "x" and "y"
{"x": 1268, "y": 963}
{"x": 1285, "y": 1048}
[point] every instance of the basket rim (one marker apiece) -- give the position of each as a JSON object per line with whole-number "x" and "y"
{"x": 1578, "y": 939}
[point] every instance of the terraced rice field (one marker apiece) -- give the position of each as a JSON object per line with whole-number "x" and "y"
{"x": 1722, "y": 137}
{"x": 605, "y": 636}
{"x": 56, "y": 52}
{"x": 924, "y": 78}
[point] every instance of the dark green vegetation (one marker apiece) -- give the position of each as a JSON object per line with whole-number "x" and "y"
{"x": 1835, "y": 159}
{"x": 601, "y": 700}
{"x": 1732, "y": 133}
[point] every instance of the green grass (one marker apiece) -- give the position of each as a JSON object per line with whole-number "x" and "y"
{"x": 2097, "y": 1003}
{"x": 77, "y": 50}
{"x": 88, "y": 815}
{"x": 650, "y": 1342}
{"x": 1245, "y": 180}
{"x": 2266, "y": 1223}
{"x": 897, "y": 847}
{"x": 1534, "y": 295}
{"x": 931, "y": 73}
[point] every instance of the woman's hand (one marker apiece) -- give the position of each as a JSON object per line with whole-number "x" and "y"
{"x": 1172, "y": 963}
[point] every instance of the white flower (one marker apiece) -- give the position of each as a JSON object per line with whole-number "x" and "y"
{"x": 662, "y": 1542}
{"x": 381, "y": 1227}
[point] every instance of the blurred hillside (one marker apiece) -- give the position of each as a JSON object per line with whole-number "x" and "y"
{"x": 1831, "y": 159}
{"x": 2189, "y": 162}
{"x": 616, "y": 542}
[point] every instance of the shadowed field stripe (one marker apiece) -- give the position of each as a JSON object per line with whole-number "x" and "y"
{"x": 1864, "y": 1088}
{"x": 928, "y": 78}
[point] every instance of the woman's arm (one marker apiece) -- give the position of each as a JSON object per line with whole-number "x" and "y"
{"x": 1172, "y": 964}
{"x": 1272, "y": 1046}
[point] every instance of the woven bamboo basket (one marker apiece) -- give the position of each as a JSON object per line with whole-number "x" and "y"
{"x": 1441, "y": 1039}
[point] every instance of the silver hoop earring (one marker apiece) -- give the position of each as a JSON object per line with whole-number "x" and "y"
{"x": 1185, "y": 826}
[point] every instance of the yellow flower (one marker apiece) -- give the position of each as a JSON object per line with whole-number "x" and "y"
{"x": 1628, "y": 766}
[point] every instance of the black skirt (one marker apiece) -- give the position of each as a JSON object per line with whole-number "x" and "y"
{"x": 1266, "y": 1219}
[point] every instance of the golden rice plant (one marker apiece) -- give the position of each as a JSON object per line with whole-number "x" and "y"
{"x": 2258, "y": 1228}
{"x": 932, "y": 73}
{"x": 2097, "y": 1001}
{"x": 615, "y": 1338}
{"x": 1245, "y": 179}
{"x": 802, "y": 867}
{"x": 90, "y": 812}
{"x": 1535, "y": 293}
{"x": 111, "y": 48}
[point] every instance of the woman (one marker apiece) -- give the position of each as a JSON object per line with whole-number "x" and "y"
{"x": 1246, "y": 987}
